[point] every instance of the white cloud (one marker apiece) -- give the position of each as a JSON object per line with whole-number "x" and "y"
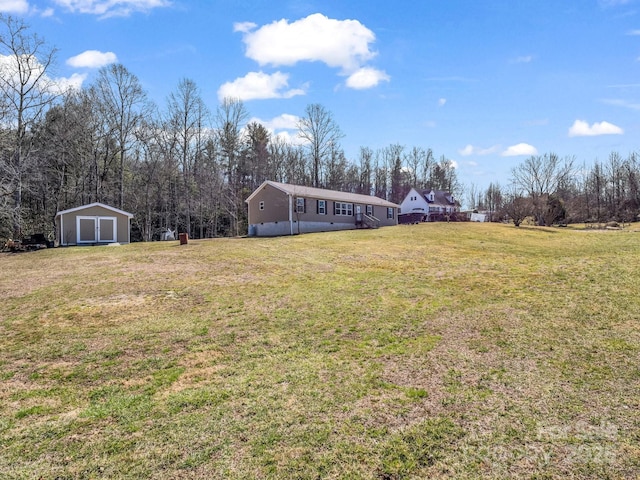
{"x": 111, "y": 8}
{"x": 580, "y": 128}
{"x": 342, "y": 44}
{"x": 283, "y": 127}
{"x": 292, "y": 138}
{"x": 244, "y": 27}
{"x": 74, "y": 82}
{"x": 259, "y": 85}
{"x": 633, "y": 32}
{"x": 9, "y": 68}
{"x": 520, "y": 149}
{"x": 22, "y": 7}
{"x": 92, "y": 59}
{"x": 14, "y": 6}
{"x": 622, "y": 103}
{"x": 316, "y": 38}
{"x": 441, "y": 102}
{"x": 468, "y": 150}
{"x": 522, "y": 59}
{"x": 286, "y": 121}
{"x": 472, "y": 150}
{"x": 366, "y": 77}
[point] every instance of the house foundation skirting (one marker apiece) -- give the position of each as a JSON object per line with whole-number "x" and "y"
{"x": 276, "y": 229}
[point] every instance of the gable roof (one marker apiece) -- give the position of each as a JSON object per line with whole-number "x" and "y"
{"x": 94, "y": 204}
{"x": 440, "y": 197}
{"x": 321, "y": 193}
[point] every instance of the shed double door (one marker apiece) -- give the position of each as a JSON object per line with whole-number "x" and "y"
{"x": 97, "y": 229}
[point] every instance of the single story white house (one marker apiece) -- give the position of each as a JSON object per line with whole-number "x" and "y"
{"x": 93, "y": 224}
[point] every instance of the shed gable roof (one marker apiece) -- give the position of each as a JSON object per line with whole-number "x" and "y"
{"x": 321, "y": 193}
{"x": 95, "y": 204}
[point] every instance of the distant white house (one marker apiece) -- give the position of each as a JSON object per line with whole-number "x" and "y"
{"x": 428, "y": 205}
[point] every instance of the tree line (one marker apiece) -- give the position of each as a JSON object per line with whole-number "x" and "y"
{"x": 183, "y": 165}
{"x": 180, "y": 165}
{"x": 553, "y": 190}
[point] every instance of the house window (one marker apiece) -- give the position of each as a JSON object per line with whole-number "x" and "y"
{"x": 261, "y": 205}
{"x": 390, "y": 212}
{"x": 300, "y": 205}
{"x": 322, "y": 207}
{"x": 370, "y": 210}
{"x": 342, "y": 208}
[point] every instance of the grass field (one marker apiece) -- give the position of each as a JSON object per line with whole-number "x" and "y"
{"x": 425, "y": 351}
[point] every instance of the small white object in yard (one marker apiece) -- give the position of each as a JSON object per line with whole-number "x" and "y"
{"x": 168, "y": 235}
{"x": 114, "y": 244}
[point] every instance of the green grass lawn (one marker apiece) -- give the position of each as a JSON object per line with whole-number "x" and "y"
{"x": 423, "y": 351}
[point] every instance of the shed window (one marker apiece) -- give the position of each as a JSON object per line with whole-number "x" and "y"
{"x": 370, "y": 210}
{"x": 390, "y": 212}
{"x": 322, "y": 207}
{"x": 300, "y": 205}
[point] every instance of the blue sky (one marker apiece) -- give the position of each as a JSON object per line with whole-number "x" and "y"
{"x": 485, "y": 83}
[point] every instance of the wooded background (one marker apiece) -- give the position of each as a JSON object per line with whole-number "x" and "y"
{"x": 188, "y": 166}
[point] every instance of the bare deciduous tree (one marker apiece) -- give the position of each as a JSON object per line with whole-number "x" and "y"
{"x": 540, "y": 176}
{"x": 444, "y": 177}
{"x": 322, "y": 134}
{"x": 124, "y": 106}
{"x": 415, "y": 160}
{"x": 493, "y": 200}
{"x": 366, "y": 171}
{"x": 517, "y": 207}
{"x": 26, "y": 92}
{"x": 231, "y": 116}
{"x": 187, "y": 120}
